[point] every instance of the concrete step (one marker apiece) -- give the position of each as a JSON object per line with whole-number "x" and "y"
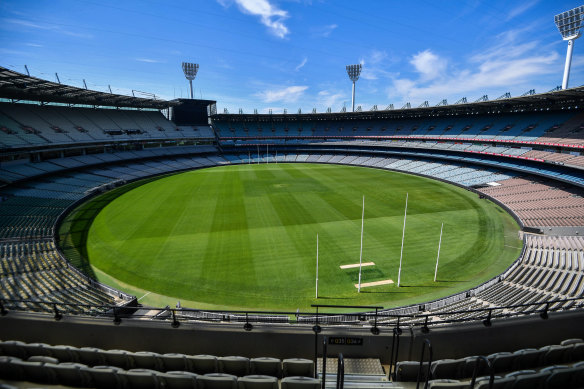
{"x": 372, "y": 385}
{"x": 361, "y": 366}
{"x": 356, "y": 377}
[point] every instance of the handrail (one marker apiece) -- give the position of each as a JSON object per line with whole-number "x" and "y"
{"x": 324, "y": 352}
{"x": 340, "y": 372}
{"x": 426, "y": 342}
{"x": 476, "y": 370}
{"x": 394, "y": 346}
{"x": 543, "y": 309}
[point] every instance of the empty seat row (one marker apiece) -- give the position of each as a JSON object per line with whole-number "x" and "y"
{"x": 569, "y": 351}
{"x": 199, "y": 364}
{"x": 552, "y": 377}
{"x": 46, "y": 370}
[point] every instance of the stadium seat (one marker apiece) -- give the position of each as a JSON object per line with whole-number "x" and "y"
{"x": 238, "y": 366}
{"x": 175, "y": 362}
{"x": 147, "y": 360}
{"x": 557, "y": 354}
{"x": 14, "y": 348}
{"x": 217, "y": 381}
{"x": 297, "y": 367}
{"x": 266, "y": 366}
{"x": 202, "y": 364}
{"x": 118, "y": 358}
{"x": 299, "y": 383}
{"x": 9, "y": 370}
{"x": 530, "y": 381}
{"x": 447, "y": 384}
{"x": 178, "y": 379}
{"x": 503, "y": 362}
{"x": 37, "y": 349}
{"x": 567, "y": 342}
{"x": 36, "y": 372}
{"x": 71, "y": 374}
{"x": 141, "y": 378}
{"x": 64, "y": 353}
{"x": 529, "y": 358}
{"x": 104, "y": 376}
{"x": 448, "y": 368}
{"x": 498, "y": 383}
{"x": 517, "y": 373}
{"x": 257, "y": 382}
{"x": 408, "y": 371}
{"x": 577, "y": 352}
{"x": 91, "y": 356}
{"x": 468, "y": 367}
{"x": 43, "y": 359}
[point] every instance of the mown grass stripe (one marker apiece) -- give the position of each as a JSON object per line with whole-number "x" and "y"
{"x": 244, "y": 236}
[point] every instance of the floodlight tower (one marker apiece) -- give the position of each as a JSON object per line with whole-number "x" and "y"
{"x": 354, "y": 71}
{"x": 190, "y": 70}
{"x": 569, "y": 24}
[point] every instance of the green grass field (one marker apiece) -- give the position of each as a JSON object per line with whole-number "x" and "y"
{"x": 245, "y": 237}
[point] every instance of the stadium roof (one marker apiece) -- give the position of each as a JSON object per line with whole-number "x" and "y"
{"x": 18, "y": 86}
{"x": 555, "y": 100}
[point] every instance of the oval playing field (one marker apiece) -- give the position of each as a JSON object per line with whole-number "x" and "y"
{"x": 245, "y": 237}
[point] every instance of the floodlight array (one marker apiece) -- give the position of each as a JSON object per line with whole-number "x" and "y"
{"x": 354, "y": 71}
{"x": 570, "y": 22}
{"x": 190, "y": 70}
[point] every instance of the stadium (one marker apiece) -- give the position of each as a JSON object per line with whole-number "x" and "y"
{"x": 148, "y": 242}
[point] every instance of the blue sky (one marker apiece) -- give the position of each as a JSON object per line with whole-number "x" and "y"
{"x": 292, "y": 54}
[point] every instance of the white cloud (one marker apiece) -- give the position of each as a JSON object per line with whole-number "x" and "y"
{"x": 269, "y": 14}
{"x": 428, "y": 64}
{"x": 330, "y": 99}
{"x": 506, "y": 65}
{"x": 301, "y": 65}
{"x": 520, "y": 9}
{"x": 48, "y": 27}
{"x": 375, "y": 65}
{"x": 149, "y": 60}
{"x": 324, "y": 31}
{"x": 289, "y": 94}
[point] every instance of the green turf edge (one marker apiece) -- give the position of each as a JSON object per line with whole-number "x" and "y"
{"x": 73, "y": 240}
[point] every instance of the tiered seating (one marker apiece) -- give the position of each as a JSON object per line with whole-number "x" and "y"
{"x": 552, "y": 268}
{"x": 566, "y": 159}
{"x": 25, "y": 125}
{"x": 570, "y": 131}
{"x": 518, "y": 126}
{"x": 33, "y": 271}
{"x": 541, "y": 203}
{"x": 554, "y": 366}
{"x": 13, "y": 172}
{"x": 94, "y": 367}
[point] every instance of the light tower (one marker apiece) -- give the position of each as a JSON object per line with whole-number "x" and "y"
{"x": 190, "y": 70}
{"x": 354, "y": 71}
{"x": 569, "y": 24}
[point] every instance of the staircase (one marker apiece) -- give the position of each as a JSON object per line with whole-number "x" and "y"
{"x": 358, "y": 374}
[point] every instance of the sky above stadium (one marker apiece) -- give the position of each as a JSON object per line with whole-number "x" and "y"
{"x": 276, "y": 54}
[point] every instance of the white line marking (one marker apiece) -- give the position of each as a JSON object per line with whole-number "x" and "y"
{"x": 375, "y": 283}
{"x": 357, "y": 265}
{"x": 144, "y": 296}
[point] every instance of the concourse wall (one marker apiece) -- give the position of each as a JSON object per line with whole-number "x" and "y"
{"x": 287, "y": 341}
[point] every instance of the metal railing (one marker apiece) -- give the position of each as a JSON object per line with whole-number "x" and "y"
{"x": 429, "y": 372}
{"x": 340, "y": 372}
{"x": 375, "y": 321}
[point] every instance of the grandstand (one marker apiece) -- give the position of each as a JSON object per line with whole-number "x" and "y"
{"x": 62, "y": 145}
